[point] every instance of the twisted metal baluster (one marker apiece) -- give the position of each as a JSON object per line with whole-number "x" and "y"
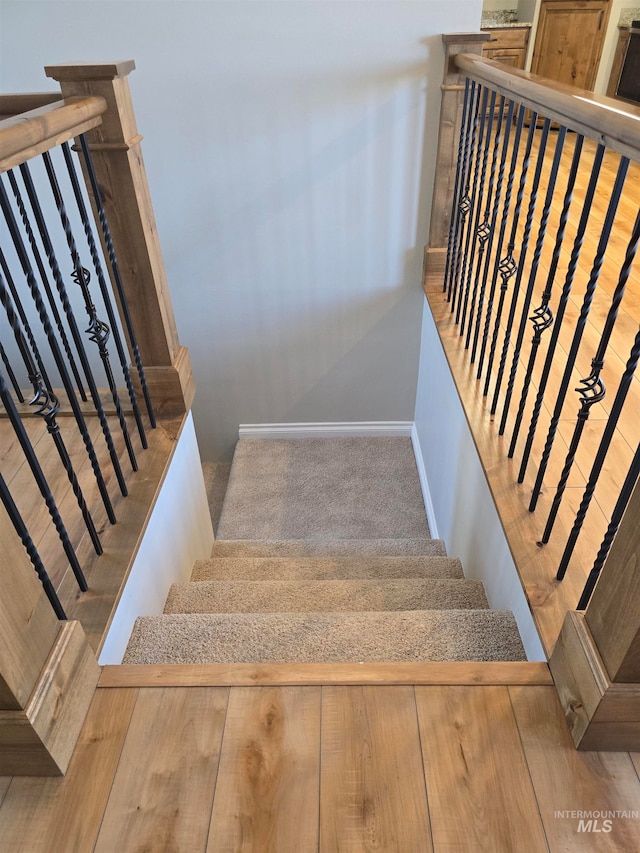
{"x": 588, "y": 397}
{"x": 104, "y": 290}
{"x": 533, "y": 198}
{"x": 47, "y": 407}
{"x": 488, "y": 225}
{"x": 11, "y": 374}
{"x": 464, "y": 205}
{"x": 535, "y": 265}
{"x": 555, "y": 334}
{"x": 477, "y": 191}
{"x": 618, "y": 512}
{"x": 453, "y": 224}
{"x": 508, "y": 266}
{"x": 41, "y": 481}
{"x": 503, "y": 223}
{"x": 592, "y": 389}
{"x": 21, "y": 529}
{"x": 605, "y": 442}
{"x": 482, "y": 230}
{"x": 117, "y": 278}
{"x": 542, "y": 317}
{"x": 45, "y": 282}
{"x": 53, "y": 343}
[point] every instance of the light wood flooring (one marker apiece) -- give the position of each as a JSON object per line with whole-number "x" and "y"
{"x": 290, "y": 769}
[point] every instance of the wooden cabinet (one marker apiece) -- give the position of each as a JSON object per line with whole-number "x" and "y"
{"x": 569, "y": 41}
{"x": 508, "y": 45}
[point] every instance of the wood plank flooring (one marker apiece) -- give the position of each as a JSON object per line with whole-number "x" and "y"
{"x": 326, "y": 768}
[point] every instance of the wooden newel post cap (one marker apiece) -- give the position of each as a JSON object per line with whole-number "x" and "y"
{"x": 67, "y": 72}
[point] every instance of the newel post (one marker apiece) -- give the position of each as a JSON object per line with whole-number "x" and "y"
{"x": 450, "y": 121}
{"x": 48, "y": 672}
{"x": 596, "y": 662}
{"x": 117, "y": 157}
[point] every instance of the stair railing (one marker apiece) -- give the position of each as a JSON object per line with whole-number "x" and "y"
{"x": 523, "y": 223}
{"x": 77, "y": 239}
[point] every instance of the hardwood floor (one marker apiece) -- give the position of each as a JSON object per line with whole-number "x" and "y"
{"x": 328, "y": 768}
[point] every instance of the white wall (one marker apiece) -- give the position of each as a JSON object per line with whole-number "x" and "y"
{"x": 610, "y": 43}
{"x": 465, "y": 513}
{"x": 290, "y": 151}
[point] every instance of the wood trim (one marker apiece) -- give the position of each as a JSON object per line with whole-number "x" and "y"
{"x": 293, "y": 674}
{"x": 435, "y": 261}
{"x": 610, "y": 122}
{"x": 25, "y": 136}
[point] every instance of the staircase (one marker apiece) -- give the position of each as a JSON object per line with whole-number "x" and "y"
{"x": 325, "y": 598}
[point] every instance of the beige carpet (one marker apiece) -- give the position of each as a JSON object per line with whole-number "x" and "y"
{"x": 345, "y": 488}
{"x": 328, "y": 547}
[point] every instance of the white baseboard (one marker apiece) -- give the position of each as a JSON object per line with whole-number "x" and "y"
{"x": 363, "y": 429}
{"x": 424, "y": 485}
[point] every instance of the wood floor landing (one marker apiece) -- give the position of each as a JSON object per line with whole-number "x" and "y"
{"x": 326, "y": 768}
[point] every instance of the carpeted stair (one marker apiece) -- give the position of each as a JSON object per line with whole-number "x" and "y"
{"x": 314, "y": 586}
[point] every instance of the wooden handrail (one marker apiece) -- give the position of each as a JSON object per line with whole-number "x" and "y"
{"x": 22, "y": 102}
{"x": 29, "y": 134}
{"x": 610, "y": 122}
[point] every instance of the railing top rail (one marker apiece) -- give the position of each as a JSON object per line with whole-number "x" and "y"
{"x": 613, "y": 123}
{"x": 26, "y": 135}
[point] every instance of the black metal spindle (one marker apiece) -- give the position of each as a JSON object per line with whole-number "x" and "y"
{"x": 47, "y": 407}
{"x": 555, "y": 334}
{"x": 477, "y": 191}
{"x": 591, "y": 389}
{"x": 535, "y": 265}
{"x": 11, "y": 374}
{"x": 104, "y": 290}
{"x": 482, "y": 230}
{"x": 498, "y": 265}
{"x": 452, "y": 242}
{"x": 618, "y": 512}
{"x": 117, "y": 278}
{"x": 41, "y": 481}
{"x": 464, "y": 206}
{"x": 533, "y": 198}
{"x": 21, "y": 529}
{"x": 587, "y": 301}
{"x": 542, "y": 317}
{"x": 508, "y": 266}
{"x": 53, "y": 343}
{"x": 489, "y": 223}
{"x": 598, "y": 462}
{"x": 45, "y": 282}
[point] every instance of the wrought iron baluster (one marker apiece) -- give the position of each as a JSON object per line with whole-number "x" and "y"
{"x": 117, "y": 278}
{"x": 605, "y": 442}
{"x": 508, "y": 266}
{"x": 41, "y": 481}
{"x": 555, "y": 334}
{"x": 535, "y": 265}
{"x": 481, "y": 229}
{"x": 53, "y": 343}
{"x": 476, "y": 208}
{"x": 488, "y": 225}
{"x": 47, "y": 407}
{"x": 11, "y": 374}
{"x": 578, "y": 333}
{"x": 21, "y": 529}
{"x": 542, "y": 317}
{"x": 104, "y": 290}
{"x": 98, "y": 333}
{"x": 45, "y": 282}
{"x": 498, "y": 266}
{"x": 591, "y": 389}
{"x": 453, "y": 224}
{"x": 621, "y": 505}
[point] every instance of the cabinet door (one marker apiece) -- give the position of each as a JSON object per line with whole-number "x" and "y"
{"x": 569, "y": 41}
{"x": 514, "y": 57}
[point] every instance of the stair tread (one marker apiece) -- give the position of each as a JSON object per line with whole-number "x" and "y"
{"x": 236, "y": 596}
{"x": 435, "y": 635}
{"x": 328, "y": 547}
{"x": 325, "y": 568}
